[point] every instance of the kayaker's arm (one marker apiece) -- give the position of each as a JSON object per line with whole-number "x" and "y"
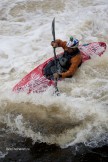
{"x": 59, "y": 43}
{"x": 75, "y": 62}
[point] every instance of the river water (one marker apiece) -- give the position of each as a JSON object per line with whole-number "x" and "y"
{"x": 80, "y": 113}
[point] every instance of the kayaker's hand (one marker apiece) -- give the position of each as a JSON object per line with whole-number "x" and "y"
{"x": 54, "y": 44}
{"x": 56, "y": 76}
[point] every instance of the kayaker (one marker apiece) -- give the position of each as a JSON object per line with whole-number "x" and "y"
{"x": 71, "y": 59}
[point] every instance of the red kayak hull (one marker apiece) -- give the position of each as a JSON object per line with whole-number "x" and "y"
{"x": 35, "y": 81}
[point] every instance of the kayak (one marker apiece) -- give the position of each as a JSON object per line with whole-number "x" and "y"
{"x": 40, "y": 78}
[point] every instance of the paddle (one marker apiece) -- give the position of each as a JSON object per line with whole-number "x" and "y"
{"x": 55, "y": 57}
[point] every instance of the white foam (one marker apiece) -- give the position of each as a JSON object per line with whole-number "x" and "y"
{"x": 25, "y": 43}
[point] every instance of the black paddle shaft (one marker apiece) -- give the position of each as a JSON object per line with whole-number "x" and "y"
{"x": 55, "y": 57}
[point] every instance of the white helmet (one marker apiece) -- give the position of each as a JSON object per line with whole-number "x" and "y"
{"x": 72, "y": 43}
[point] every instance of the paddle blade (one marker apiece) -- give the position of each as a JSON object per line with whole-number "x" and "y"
{"x": 56, "y": 88}
{"x": 53, "y": 29}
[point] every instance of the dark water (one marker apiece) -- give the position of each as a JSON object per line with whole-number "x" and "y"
{"x": 23, "y": 150}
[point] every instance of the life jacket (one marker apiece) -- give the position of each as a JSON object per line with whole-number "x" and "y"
{"x": 50, "y": 69}
{"x": 64, "y": 60}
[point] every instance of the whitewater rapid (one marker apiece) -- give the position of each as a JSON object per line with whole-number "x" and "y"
{"x": 80, "y": 113}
